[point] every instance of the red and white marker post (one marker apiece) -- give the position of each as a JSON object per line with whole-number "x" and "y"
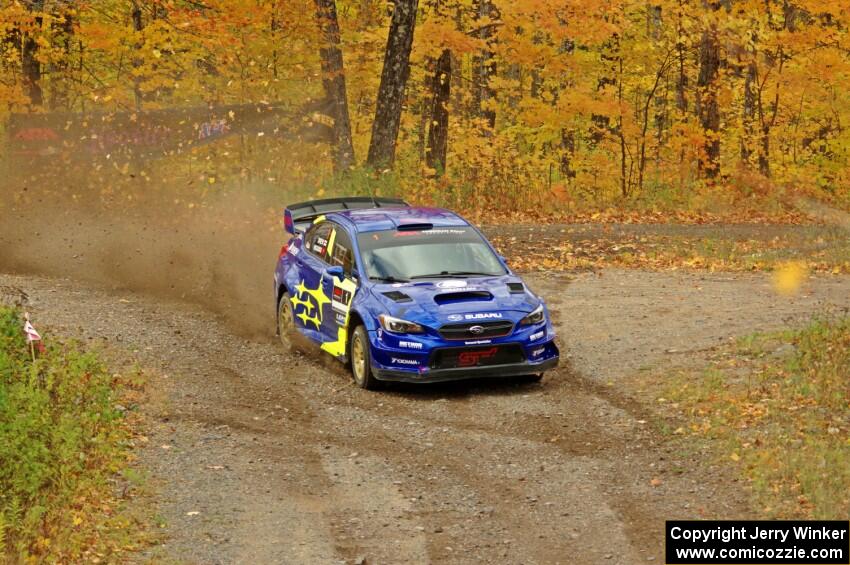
{"x": 32, "y": 335}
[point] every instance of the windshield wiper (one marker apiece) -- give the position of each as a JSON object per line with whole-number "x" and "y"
{"x": 388, "y": 279}
{"x": 445, "y": 274}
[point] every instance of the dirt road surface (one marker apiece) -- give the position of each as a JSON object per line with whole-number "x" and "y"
{"x": 259, "y": 455}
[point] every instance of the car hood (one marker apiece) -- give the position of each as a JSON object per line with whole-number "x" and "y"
{"x": 454, "y": 300}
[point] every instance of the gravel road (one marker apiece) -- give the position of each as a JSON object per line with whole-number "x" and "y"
{"x": 265, "y": 456}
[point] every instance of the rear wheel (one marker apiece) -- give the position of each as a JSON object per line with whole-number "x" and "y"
{"x": 285, "y": 321}
{"x": 361, "y": 359}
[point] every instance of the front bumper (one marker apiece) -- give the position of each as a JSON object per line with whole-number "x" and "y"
{"x": 429, "y": 358}
{"x": 461, "y": 373}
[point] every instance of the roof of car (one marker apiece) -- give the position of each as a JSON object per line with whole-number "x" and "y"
{"x": 377, "y": 219}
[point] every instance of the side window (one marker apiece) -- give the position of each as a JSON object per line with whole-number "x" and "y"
{"x": 317, "y": 240}
{"x": 308, "y": 237}
{"x": 341, "y": 254}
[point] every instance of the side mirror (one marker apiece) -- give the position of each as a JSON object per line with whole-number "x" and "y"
{"x": 335, "y": 271}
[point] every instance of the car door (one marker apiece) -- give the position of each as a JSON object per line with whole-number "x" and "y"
{"x": 309, "y": 299}
{"x": 341, "y": 291}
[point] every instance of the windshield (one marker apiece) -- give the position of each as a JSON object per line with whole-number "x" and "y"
{"x": 435, "y": 253}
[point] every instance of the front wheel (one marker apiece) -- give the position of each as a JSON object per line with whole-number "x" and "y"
{"x": 361, "y": 359}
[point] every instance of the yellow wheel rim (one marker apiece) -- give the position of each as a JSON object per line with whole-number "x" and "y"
{"x": 358, "y": 359}
{"x": 286, "y": 322}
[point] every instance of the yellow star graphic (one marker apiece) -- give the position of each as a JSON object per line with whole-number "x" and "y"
{"x": 296, "y": 302}
{"x": 305, "y": 318}
{"x": 320, "y": 298}
{"x": 301, "y": 289}
{"x": 301, "y": 300}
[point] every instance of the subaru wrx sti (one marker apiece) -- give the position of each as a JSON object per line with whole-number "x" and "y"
{"x": 407, "y": 294}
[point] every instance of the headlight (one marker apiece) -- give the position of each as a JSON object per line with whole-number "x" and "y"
{"x": 398, "y": 326}
{"x": 535, "y": 317}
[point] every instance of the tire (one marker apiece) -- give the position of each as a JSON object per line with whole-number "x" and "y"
{"x": 285, "y": 321}
{"x": 361, "y": 359}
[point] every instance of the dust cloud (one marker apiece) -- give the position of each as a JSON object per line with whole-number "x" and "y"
{"x": 133, "y": 233}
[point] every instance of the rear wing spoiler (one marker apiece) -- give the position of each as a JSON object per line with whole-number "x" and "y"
{"x": 298, "y": 217}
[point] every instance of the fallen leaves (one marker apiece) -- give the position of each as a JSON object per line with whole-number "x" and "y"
{"x": 555, "y": 248}
{"x": 623, "y": 214}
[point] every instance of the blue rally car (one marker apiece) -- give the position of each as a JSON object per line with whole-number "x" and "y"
{"x": 407, "y": 294}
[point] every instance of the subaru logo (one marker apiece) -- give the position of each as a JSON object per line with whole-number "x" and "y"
{"x": 455, "y": 317}
{"x": 476, "y": 330}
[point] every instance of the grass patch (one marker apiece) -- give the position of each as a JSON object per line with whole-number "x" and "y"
{"x": 779, "y": 407}
{"x": 64, "y": 441}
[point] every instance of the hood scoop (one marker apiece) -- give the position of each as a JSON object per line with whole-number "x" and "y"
{"x": 397, "y": 296}
{"x": 463, "y": 296}
{"x": 516, "y": 287}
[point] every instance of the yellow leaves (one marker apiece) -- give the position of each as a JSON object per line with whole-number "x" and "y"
{"x": 441, "y": 36}
{"x": 557, "y": 74}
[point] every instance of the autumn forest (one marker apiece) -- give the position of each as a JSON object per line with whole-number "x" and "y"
{"x": 527, "y": 104}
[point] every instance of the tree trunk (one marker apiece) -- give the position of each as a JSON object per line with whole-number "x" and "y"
{"x": 484, "y": 67}
{"x": 60, "y": 93}
{"x": 682, "y": 78}
{"x": 438, "y": 132}
{"x": 764, "y": 152}
{"x": 708, "y": 110}
{"x": 568, "y": 149}
{"x": 749, "y": 117}
{"x": 393, "y": 83}
{"x": 333, "y": 80}
{"x": 536, "y": 83}
{"x": 624, "y": 187}
{"x": 662, "y": 71}
{"x": 138, "y": 26}
{"x": 30, "y": 66}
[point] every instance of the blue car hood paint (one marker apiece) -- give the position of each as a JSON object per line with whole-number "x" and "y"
{"x": 425, "y": 310}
